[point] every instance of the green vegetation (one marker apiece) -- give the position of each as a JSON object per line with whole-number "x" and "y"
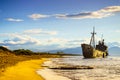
{"x": 23, "y": 52}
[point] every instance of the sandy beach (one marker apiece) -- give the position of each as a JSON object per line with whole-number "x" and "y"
{"x": 25, "y": 70}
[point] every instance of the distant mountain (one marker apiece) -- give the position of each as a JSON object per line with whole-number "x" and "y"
{"x": 113, "y": 44}
{"x": 114, "y": 51}
{"x": 76, "y": 50}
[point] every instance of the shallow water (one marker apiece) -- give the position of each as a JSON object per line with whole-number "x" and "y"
{"x": 104, "y": 68}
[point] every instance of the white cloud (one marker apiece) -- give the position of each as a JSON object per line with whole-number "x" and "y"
{"x": 39, "y": 31}
{"x": 111, "y": 9}
{"x": 6, "y": 46}
{"x": 33, "y": 31}
{"x": 37, "y": 16}
{"x": 65, "y": 43}
{"x": 105, "y": 12}
{"x": 57, "y": 41}
{"x": 118, "y": 31}
{"x": 25, "y": 37}
{"x": 17, "y": 39}
{"x": 14, "y": 20}
{"x": 25, "y": 40}
{"x": 113, "y": 44}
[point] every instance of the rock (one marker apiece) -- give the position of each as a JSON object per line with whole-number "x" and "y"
{"x": 71, "y": 67}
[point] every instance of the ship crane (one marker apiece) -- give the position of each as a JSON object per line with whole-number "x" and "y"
{"x": 92, "y": 40}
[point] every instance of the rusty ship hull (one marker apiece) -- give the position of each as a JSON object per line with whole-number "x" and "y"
{"x": 90, "y": 52}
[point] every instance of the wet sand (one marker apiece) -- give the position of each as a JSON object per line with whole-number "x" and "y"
{"x": 50, "y": 75}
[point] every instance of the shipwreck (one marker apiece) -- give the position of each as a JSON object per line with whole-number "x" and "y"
{"x": 93, "y": 50}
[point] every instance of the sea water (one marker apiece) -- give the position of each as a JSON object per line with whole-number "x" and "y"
{"x": 104, "y": 68}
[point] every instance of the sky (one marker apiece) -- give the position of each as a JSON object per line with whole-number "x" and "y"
{"x": 43, "y": 25}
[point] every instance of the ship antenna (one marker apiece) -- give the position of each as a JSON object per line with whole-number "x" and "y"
{"x": 92, "y": 41}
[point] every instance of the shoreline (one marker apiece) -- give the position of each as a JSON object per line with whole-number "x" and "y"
{"x": 25, "y": 70}
{"x": 48, "y": 74}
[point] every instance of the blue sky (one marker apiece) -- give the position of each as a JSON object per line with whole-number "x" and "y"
{"x": 57, "y": 24}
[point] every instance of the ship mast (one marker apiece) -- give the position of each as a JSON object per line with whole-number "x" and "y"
{"x": 92, "y": 41}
